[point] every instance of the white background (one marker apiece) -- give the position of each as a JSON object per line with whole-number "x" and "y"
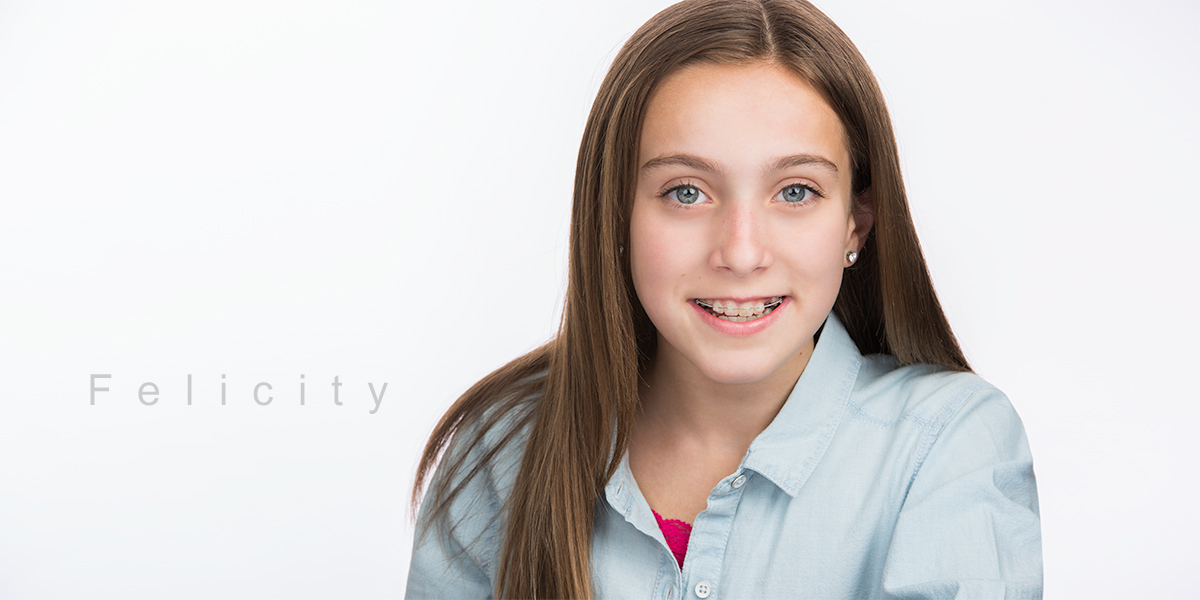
{"x": 380, "y": 192}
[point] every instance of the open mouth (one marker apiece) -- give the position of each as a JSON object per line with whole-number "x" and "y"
{"x": 728, "y": 310}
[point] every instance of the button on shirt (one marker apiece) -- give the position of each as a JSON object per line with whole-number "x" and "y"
{"x": 873, "y": 481}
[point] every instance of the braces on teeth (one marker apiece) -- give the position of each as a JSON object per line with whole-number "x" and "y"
{"x": 740, "y": 314}
{"x": 767, "y": 306}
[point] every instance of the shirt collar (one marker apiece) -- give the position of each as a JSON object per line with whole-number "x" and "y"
{"x": 788, "y": 450}
{"x": 625, "y": 497}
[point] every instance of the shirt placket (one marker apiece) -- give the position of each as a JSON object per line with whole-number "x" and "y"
{"x": 701, "y": 577}
{"x": 623, "y": 497}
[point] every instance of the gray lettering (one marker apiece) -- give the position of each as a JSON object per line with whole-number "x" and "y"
{"x": 269, "y": 398}
{"x": 142, "y": 393}
{"x": 379, "y": 398}
{"x": 96, "y": 389}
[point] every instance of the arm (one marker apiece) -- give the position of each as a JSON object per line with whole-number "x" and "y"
{"x": 969, "y": 526}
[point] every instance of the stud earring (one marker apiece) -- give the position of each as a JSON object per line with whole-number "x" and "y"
{"x": 621, "y": 249}
{"x": 851, "y": 256}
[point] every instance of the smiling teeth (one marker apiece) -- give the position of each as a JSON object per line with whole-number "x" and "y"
{"x": 729, "y": 310}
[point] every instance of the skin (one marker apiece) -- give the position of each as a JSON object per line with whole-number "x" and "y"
{"x": 748, "y": 232}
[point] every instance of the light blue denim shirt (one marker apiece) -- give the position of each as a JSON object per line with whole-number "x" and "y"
{"x": 873, "y": 481}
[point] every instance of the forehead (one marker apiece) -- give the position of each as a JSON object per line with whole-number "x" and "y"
{"x": 740, "y": 115}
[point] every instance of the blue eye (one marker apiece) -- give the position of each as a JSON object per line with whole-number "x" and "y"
{"x": 796, "y": 193}
{"x": 685, "y": 194}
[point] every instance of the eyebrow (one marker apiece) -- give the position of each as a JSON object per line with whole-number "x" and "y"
{"x": 686, "y": 160}
{"x": 702, "y": 164}
{"x": 798, "y": 160}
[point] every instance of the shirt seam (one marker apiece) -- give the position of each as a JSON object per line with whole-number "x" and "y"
{"x": 861, "y": 414}
{"x": 938, "y": 423}
{"x": 493, "y": 528}
{"x": 934, "y": 422}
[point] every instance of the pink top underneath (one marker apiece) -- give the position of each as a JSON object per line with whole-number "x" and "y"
{"x": 677, "y": 534}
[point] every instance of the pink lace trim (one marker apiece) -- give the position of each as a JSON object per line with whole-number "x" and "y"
{"x": 677, "y": 534}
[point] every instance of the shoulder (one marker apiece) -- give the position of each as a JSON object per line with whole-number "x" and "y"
{"x": 960, "y": 425}
{"x": 491, "y": 446}
{"x": 970, "y": 493}
{"x": 460, "y": 529}
{"x": 927, "y": 396}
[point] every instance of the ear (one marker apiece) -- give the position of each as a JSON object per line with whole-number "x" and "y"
{"x": 862, "y": 209}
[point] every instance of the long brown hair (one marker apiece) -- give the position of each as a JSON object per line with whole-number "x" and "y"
{"x": 581, "y": 389}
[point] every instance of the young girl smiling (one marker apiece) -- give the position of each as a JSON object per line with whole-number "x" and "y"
{"x": 754, "y": 391}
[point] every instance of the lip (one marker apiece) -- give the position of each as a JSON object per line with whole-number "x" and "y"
{"x": 739, "y": 300}
{"x": 741, "y": 329}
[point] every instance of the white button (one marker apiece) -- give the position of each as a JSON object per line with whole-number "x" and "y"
{"x": 703, "y": 589}
{"x": 739, "y": 482}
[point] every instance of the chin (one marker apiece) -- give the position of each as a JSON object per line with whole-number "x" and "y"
{"x": 736, "y": 371}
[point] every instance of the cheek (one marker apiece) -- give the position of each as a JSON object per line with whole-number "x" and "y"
{"x": 660, "y": 256}
{"x": 817, "y": 258}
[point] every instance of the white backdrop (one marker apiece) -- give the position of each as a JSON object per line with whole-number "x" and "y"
{"x": 290, "y": 192}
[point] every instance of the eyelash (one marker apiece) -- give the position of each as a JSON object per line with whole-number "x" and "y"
{"x": 674, "y": 202}
{"x": 687, "y": 184}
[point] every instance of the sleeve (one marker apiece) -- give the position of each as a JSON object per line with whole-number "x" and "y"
{"x": 969, "y": 526}
{"x": 457, "y": 558}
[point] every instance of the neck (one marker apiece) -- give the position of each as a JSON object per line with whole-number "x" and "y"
{"x": 679, "y": 401}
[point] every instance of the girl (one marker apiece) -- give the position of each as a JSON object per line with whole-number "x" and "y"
{"x": 754, "y": 391}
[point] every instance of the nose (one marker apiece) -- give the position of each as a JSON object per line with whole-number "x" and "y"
{"x": 741, "y": 248}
